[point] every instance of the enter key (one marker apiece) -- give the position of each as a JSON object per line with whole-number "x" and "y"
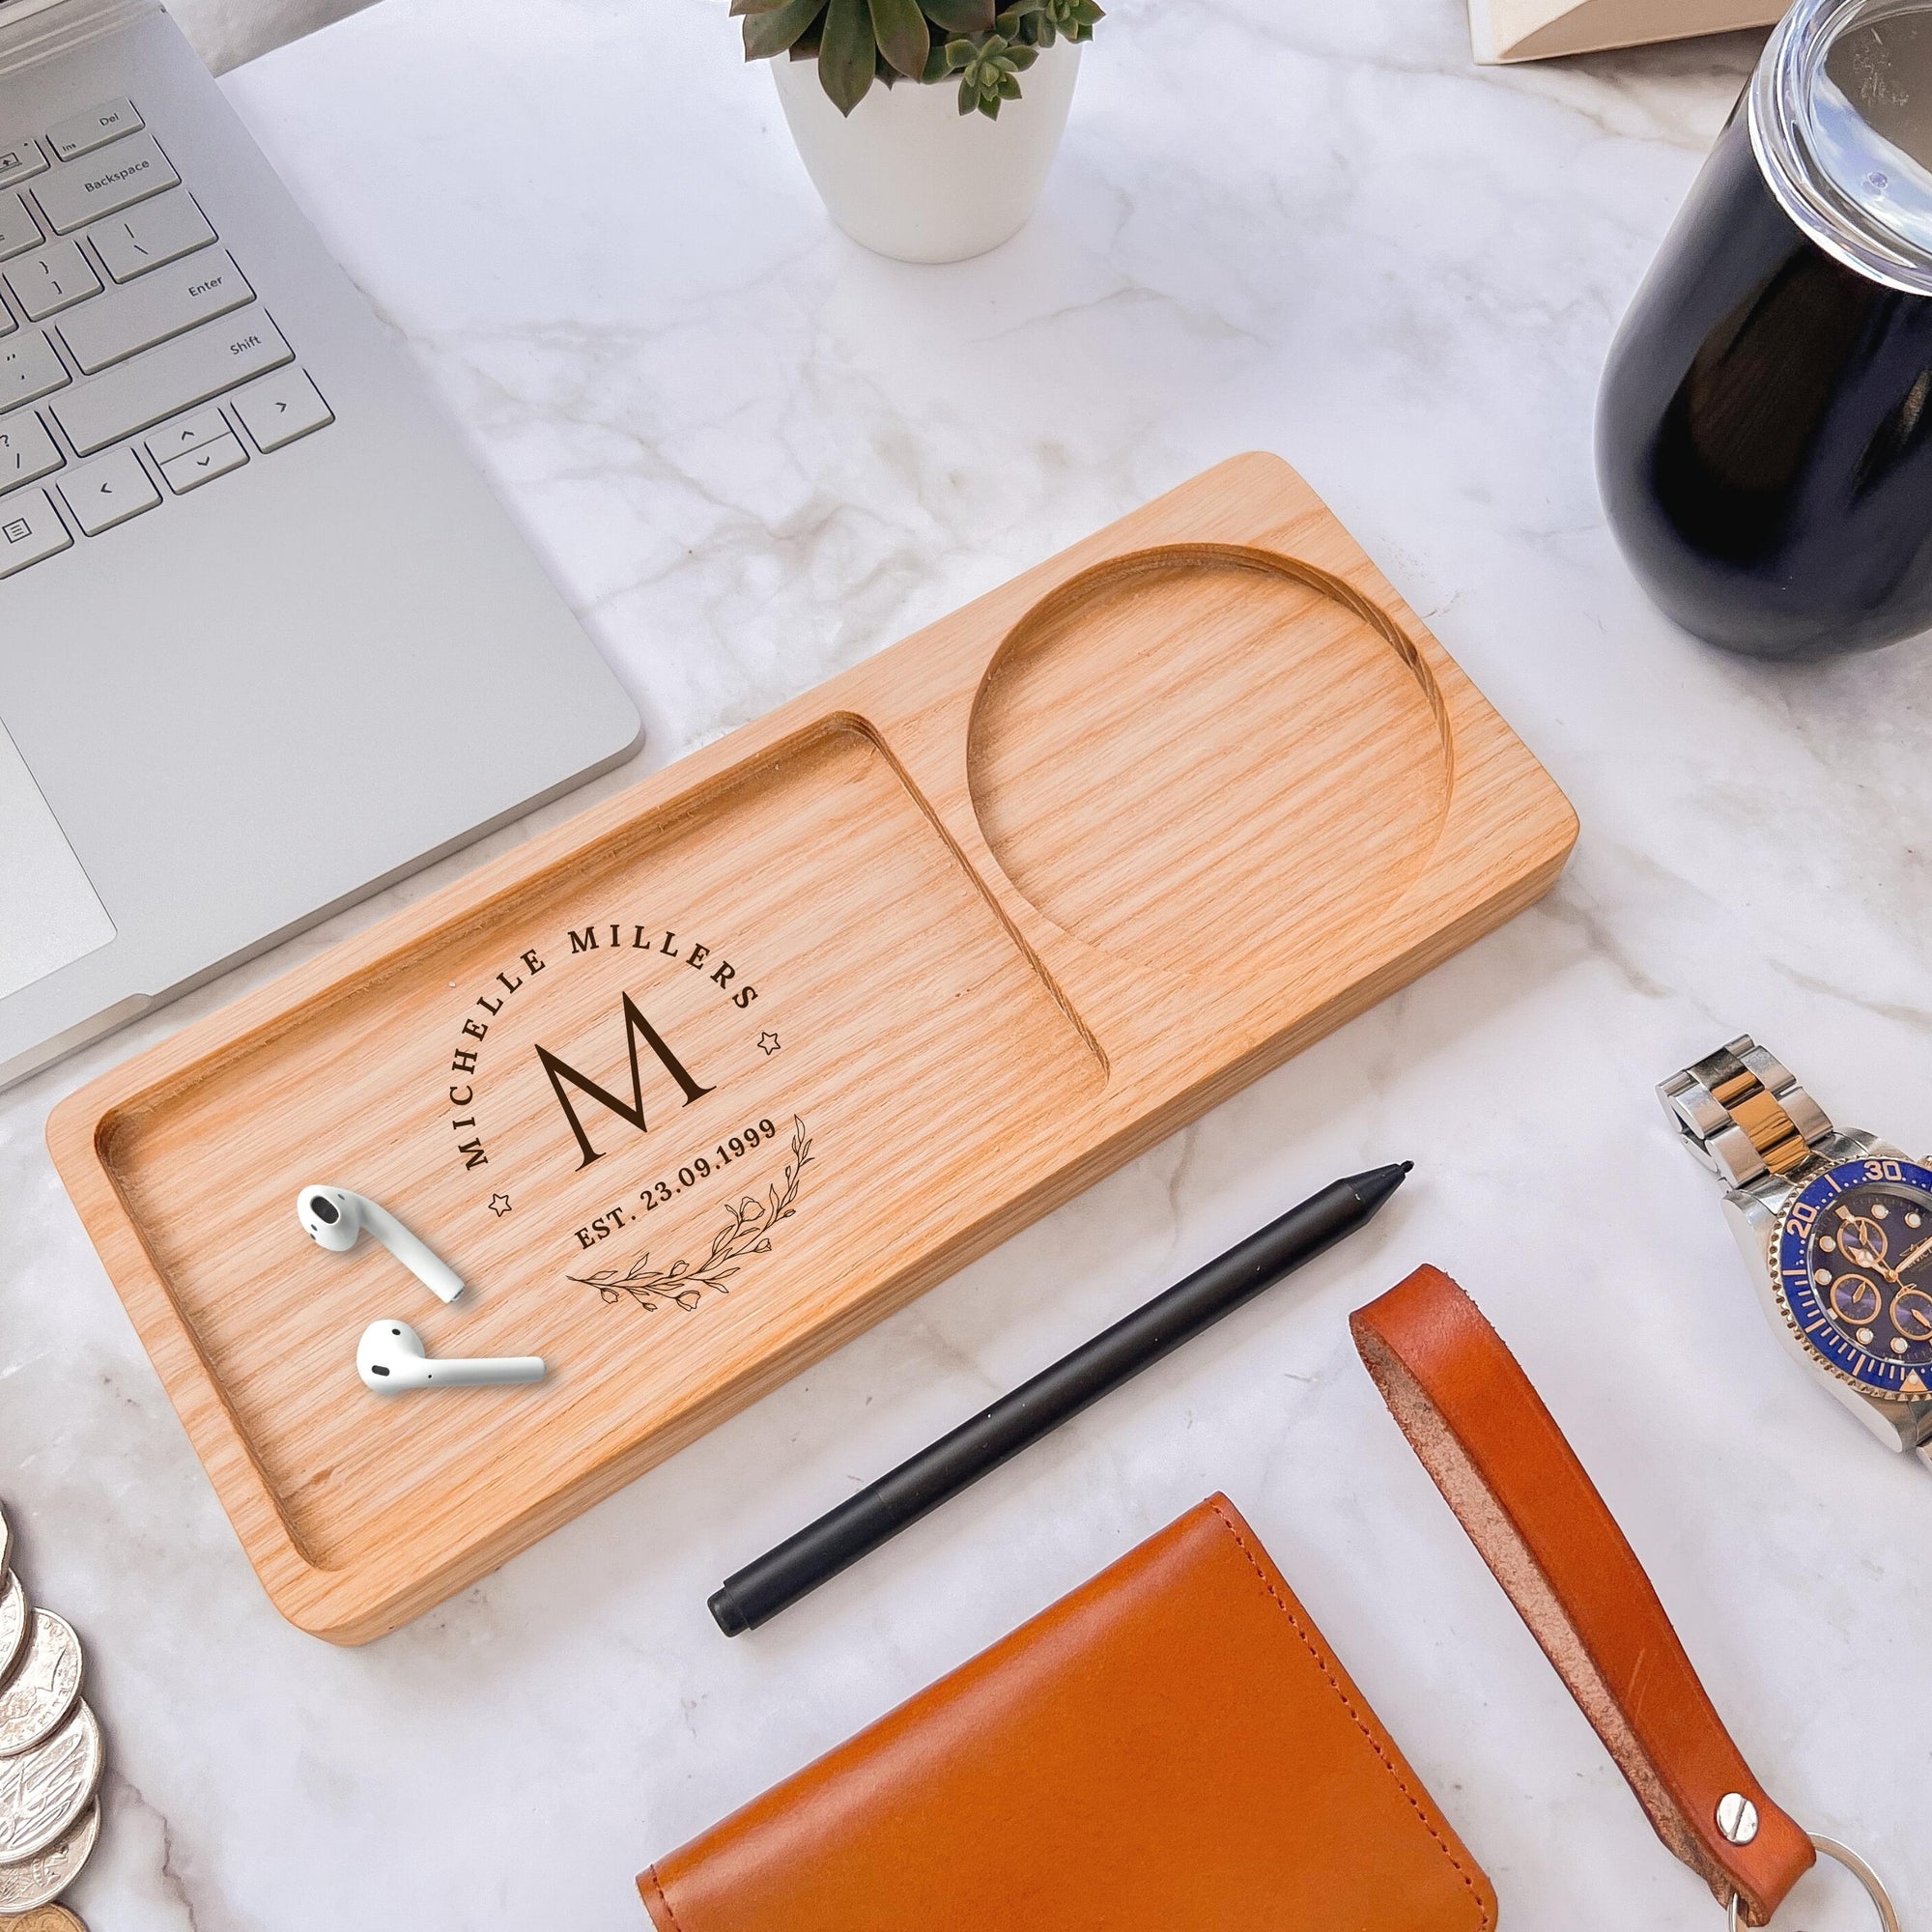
{"x": 165, "y": 303}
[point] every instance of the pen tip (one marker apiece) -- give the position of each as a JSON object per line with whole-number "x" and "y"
{"x": 1373, "y": 1188}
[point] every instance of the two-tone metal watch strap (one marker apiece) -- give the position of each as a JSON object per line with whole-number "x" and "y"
{"x": 1745, "y": 1114}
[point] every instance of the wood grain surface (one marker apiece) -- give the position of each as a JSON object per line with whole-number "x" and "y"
{"x": 699, "y": 1084}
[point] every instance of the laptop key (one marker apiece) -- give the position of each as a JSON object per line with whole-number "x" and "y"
{"x": 19, "y": 230}
{"x": 168, "y": 302}
{"x": 27, "y": 452}
{"x": 282, "y": 409}
{"x": 95, "y": 128}
{"x": 30, "y": 530}
{"x": 194, "y": 368}
{"x": 108, "y": 492}
{"x": 51, "y": 278}
{"x": 178, "y": 439}
{"x": 151, "y": 234}
{"x": 21, "y": 160}
{"x": 29, "y": 369}
{"x": 204, "y": 464}
{"x": 104, "y": 183}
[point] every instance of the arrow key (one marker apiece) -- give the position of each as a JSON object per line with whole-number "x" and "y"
{"x": 280, "y": 407}
{"x": 191, "y": 433}
{"x": 106, "y": 492}
{"x": 204, "y": 464}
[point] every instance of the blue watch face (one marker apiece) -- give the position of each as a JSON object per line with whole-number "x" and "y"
{"x": 1855, "y": 1264}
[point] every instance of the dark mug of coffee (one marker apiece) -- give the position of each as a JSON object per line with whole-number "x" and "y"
{"x": 1763, "y": 430}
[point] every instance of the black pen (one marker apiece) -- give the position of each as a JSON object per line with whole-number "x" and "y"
{"x": 841, "y": 1536}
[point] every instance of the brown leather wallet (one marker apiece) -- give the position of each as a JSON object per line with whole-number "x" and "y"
{"x": 1171, "y": 1749}
{"x": 1506, "y": 1469}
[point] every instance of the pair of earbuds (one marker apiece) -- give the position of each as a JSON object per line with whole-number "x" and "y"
{"x": 390, "y": 1357}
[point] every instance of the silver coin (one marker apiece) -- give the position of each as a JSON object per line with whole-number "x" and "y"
{"x": 45, "y": 1790}
{"x": 41, "y": 1692}
{"x": 15, "y": 1618}
{"x": 6, "y": 1542}
{"x": 44, "y": 1918}
{"x": 42, "y": 1877}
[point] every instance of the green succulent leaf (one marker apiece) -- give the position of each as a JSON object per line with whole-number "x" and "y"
{"x": 961, "y": 16}
{"x": 1038, "y": 23}
{"x": 855, "y": 42}
{"x": 774, "y": 29}
{"x": 990, "y": 69}
{"x": 847, "y": 54}
{"x": 902, "y": 35}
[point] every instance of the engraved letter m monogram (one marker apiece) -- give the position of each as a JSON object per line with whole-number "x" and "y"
{"x": 635, "y": 1024}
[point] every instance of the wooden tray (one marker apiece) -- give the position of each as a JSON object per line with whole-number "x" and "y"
{"x": 701, "y": 1083}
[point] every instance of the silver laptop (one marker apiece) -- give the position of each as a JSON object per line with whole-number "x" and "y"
{"x": 267, "y": 640}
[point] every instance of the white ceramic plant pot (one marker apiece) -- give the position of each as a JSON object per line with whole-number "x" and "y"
{"x": 910, "y": 176}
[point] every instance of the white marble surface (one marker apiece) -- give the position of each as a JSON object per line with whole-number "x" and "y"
{"x": 753, "y": 454}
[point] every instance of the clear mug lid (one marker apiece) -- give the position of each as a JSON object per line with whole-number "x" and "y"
{"x": 1840, "y": 112}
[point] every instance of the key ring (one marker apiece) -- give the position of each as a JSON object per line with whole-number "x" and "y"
{"x": 1853, "y": 1864}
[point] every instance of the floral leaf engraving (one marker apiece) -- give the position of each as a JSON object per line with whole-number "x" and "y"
{"x": 747, "y": 1230}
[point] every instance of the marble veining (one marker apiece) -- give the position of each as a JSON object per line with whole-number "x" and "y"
{"x": 751, "y": 454}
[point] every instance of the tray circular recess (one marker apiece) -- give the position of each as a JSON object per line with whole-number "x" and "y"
{"x": 1209, "y": 758}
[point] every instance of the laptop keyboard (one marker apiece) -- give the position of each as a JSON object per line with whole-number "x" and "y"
{"x": 136, "y": 363}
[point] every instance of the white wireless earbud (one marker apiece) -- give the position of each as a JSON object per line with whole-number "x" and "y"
{"x": 390, "y": 1357}
{"x": 332, "y": 1218}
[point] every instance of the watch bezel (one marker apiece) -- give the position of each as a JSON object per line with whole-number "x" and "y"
{"x": 1802, "y": 1305}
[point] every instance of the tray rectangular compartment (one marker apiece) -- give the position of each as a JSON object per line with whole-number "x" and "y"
{"x": 698, "y": 1084}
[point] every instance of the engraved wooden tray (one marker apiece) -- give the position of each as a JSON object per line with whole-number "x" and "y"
{"x": 699, "y": 1084}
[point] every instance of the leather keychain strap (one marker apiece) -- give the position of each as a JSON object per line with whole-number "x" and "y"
{"x": 1504, "y": 1468}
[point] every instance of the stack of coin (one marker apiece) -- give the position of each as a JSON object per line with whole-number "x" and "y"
{"x": 50, "y": 1759}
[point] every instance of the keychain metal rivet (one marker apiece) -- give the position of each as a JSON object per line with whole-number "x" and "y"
{"x": 1736, "y": 1817}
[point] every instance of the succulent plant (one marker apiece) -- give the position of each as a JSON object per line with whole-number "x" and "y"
{"x": 858, "y": 42}
{"x": 989, "y": 70}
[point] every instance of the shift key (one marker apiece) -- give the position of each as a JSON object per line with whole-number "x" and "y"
{"x": 190, "y": 369}
{"x": 170, "y": 301}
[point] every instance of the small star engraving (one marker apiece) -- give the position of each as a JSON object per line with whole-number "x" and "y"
{"x": 499, "y": 1204}
{"x": 768, "y": 1043}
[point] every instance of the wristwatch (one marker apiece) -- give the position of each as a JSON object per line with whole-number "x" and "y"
{"x": 1836, "y": 1226}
